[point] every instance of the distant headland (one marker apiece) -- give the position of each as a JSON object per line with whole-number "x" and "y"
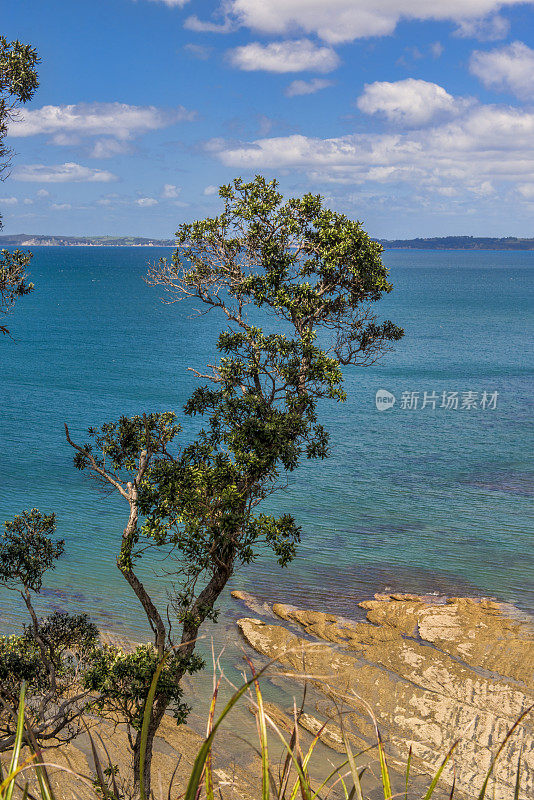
{"x": 459, "y": 243}
{"x": 434, "y": 243}
{"x": 45, "y": 240}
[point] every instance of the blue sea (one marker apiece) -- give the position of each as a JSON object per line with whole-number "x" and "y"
{"x": 413, "y": 498}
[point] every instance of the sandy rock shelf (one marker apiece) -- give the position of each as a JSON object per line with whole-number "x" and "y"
{"x": 432, "y": 670}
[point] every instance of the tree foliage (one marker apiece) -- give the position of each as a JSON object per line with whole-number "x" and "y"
{"x": 18, "y": 82}
{"x": 295, "y": 284}
{"x": 13, "y": 279}
{"x": 51, "y": 653}
{"x": 27, "y": 550}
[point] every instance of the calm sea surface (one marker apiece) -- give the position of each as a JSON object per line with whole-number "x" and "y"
{"x": 417, "y": 499}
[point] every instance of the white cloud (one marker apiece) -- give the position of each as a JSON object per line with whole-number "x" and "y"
{"x": 9, "y": 201}
{"x": 436, "y": 48}
{"x": 526, "y": 190}
{"x": 146, "y": 202}
{"x": 485, "y": 30}
{"x": 508, "y": 68}
{"x": 209, "y": 190}
{"x": 108, "y": 147}
{"x": 338, "y": 21}
{"x": 43, "y": 193}
{"x": 28, "y": 201}
{"x": 408, "y": 102}
{"x": 61, "y": 206}
{"x": 307, "y": 87}
{"x": 193, "y": 23}
{"x": 172, "y": 3}
{"x": 289, "y": 56}
{"x": 62, "y": 173}
{"x": 487, "y": 148}
{"x": 199, "y": 51}
{"x": 119, "y": 120}
{"x": 65, "y": 139}
{"x": 170, "y": 190}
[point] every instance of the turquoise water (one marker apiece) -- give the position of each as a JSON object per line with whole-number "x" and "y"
{"x": 425, "y": 499}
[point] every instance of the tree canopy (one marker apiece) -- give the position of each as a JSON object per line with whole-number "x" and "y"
{"x": 18, "y": 82}
{"x": 295, "y": 285}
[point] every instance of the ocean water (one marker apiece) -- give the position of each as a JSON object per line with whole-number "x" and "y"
{"x": 412, "y": 499}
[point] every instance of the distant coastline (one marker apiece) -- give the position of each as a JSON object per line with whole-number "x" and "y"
{"x": 41, "y": 240}
{"x": 435, "y": 243}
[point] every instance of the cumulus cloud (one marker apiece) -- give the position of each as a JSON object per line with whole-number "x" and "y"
{"x": 61, "y": 206}
{"x": 170, "y": 191}
{"x": 9, "y": 201}
{"x": 526, "y": 190}
{"x": 69, "y": 172}
{"x": 339, "y": 21}
{"x": 146, "y": 202}
{"x": 408, "y": 102}
{"x": 485, "y": 30}
{"x": 120, "y": 120}
{"x": 509, "y": 68}
{"x": 209, "y": 190}
{"x": 307, "y": 87}
{"x": 290, "y": 56}
{"x": 43, "y": 193}
{"x": 485, "y": 148}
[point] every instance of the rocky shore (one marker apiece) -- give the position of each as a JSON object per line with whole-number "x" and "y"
{"x": 430, "y": 670}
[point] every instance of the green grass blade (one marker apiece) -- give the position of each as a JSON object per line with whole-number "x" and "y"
{"x": 304, "y": 784}
{"x": 482, "y": 792}
{"x": 384, "y": 772}
{"x": 262, "y": 726}
{"x": 40, "y": 769}
{"x": 99, "y": 771}
{"x": 44, "y": 783}
{"x": 17, "y": 746}
{"x": 353, "y": 768}
{"x": 9, "y": 780}
{"x": 437, "y": 776}
{"x": 344, "y": 785}
{"x": 329, "y": 778}
{"x": 200, "y": 760}
{"x": 210, "y": 793}
{"x": 146, "y": 722}
{"x": 306, "y": 761}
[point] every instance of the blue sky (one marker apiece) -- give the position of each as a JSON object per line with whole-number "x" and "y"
{"x": 414, "y": 116}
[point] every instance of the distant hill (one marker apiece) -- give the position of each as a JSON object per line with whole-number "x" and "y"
{"x": 436, "y": 243}
{"x": 460, "y": 243}
{"x": 29, "y": 240}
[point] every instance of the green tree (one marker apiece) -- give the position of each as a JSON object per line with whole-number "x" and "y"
{"x": 119, "y": 455}
{"x": 51, "y": 652}
{"x": 295, "y": 284}
{"x": 18, "y": 82}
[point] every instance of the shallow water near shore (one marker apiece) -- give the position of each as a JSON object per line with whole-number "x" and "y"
{"x": 412, "y": 499}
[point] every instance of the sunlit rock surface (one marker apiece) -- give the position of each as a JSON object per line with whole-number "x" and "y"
{"x": 430, "y": 670}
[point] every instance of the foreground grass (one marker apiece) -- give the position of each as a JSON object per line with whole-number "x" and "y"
{"x": 289, "y": 781}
